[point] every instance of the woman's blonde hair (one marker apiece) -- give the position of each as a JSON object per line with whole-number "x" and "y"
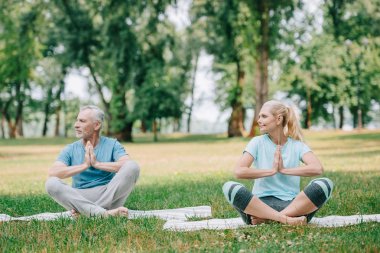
{"x": 290, "y": 122}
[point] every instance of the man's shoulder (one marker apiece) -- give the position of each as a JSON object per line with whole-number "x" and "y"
{"x": 107, "y": 140}
{"x": 74, "y": 144}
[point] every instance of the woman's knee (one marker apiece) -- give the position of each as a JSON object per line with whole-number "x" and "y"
{"x": 227, "y": 189}
{"x": 237, "y": 195}
{"x": 319, "y": 191}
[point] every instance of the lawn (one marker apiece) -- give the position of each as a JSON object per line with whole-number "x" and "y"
{"x": 182, "y": 171}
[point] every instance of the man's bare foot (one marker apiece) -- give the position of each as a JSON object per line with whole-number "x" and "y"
{"x": 75, "y": 214}
{"x": 257, "y": 220}
{"x": 296, "y": 221}
{"x": 120, "y": 211}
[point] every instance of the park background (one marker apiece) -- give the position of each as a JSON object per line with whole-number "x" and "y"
{"x": 180, "y": 82}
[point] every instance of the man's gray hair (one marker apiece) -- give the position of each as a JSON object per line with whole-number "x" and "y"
{"x": 98, "y": 113}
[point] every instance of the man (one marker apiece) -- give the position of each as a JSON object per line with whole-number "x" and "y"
{"x": 102, "y": 174}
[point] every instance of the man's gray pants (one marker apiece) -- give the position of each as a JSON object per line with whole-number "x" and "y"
{"x": 97, "y": 200}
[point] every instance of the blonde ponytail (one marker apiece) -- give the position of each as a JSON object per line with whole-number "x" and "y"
{"x": 293, "y": 125}
{"x": 290, "y": 122}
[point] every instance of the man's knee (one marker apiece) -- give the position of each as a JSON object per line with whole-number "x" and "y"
{"x": 131, "y": 169}
{"x": 52, "y": 186}
{"x": 319, "y": 191}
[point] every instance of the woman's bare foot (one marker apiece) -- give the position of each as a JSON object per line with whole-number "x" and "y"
{"x": 296, "y": 221}
{"x": 257, "y": 220}
{"x": 120, "y": 211}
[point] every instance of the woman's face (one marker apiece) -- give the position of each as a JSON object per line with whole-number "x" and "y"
{"x": 267, "y": 121}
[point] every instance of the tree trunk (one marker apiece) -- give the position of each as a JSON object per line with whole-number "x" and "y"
{"x": 12, "y": 130}
{"x": 236, "y": 121}
{"x": 341, "y": 116}
{"x": 192, "y": 92}
{"x": 58, "y": 96}
{"x": 143, "y": 126}
{"x": 57, "y": 120}
{"x": 47, "y": 111}
{"x": 333, "y": 116}
{"x": 2, "y": 127}
{"x": 177, "y": 124}
{"x": 308, "y": 110}
{"x": 125, "y": 134}
{"x": 106, "y": 104}
{"x": 8, "y": 119}
{"x": 360, "y": 119}
{"x": 121, "y": 126}
{"x": 154, "y": 128}
{"x": 20, "y": 127}
{"x": 261, "y": 75}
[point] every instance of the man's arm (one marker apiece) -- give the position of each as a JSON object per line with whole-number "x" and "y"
{"x": 61, "y": 170}
{"x": 108, "y": 166}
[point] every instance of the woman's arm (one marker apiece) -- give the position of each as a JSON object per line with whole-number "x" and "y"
{"x": 243, "y": 171}
{"x": 312, "y": 167}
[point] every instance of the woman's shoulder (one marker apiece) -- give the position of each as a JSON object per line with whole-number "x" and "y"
{"x": 262, "y": 137}
{"x": 297, "y": 143}
{"x": 258, "y": 139}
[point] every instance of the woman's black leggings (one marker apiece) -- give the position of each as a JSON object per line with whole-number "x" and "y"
{"x": 318, "y": 191}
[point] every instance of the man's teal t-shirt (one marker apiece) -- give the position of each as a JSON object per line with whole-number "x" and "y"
{"x": 107, "y": 150}
{"x": 281, "y": 186}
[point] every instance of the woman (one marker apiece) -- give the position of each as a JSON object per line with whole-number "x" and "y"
{"x": 276, "y": 156}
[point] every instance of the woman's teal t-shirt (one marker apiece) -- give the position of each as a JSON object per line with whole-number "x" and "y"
{"x": 284, "y": 187}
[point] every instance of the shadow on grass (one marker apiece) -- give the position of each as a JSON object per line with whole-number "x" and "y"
{"x": 354, "y": 192}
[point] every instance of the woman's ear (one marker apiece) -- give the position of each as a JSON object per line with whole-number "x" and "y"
{"x": 280, "y": 118}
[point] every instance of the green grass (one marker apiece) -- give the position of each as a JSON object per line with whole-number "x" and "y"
{"x": 184, "y": 171}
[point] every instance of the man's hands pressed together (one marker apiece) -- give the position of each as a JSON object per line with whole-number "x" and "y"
{"x": 89, "y": 156}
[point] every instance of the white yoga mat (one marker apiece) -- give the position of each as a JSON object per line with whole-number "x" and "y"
{"x": 233, "y": 223}
{"x": 181, "y": 214}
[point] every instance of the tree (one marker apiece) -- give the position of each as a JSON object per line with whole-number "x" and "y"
{"x": 19, "y": 51}
{"x": 317, "y": 81}
{"x": 353, "y": 21}
{"x": 228, "y": 25}
{"x": 270, "y": 15}
{"x": 49, "y": 77}
{"x": 119, "y": 43}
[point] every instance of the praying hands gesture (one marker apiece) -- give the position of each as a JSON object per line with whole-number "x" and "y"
{"x": 278, "y": 163}
{"x": 89, "y": 156}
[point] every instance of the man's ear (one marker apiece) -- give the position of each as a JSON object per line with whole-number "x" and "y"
{"x": 97, "y": 125}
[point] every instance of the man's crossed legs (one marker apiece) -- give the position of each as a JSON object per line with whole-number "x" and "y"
{"x": 101, "y": 200}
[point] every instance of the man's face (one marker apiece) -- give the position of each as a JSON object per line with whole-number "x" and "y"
{"x": 86, "y": 125}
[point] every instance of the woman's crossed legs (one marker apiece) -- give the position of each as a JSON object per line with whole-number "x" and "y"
{"x": 298, "y": 211}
